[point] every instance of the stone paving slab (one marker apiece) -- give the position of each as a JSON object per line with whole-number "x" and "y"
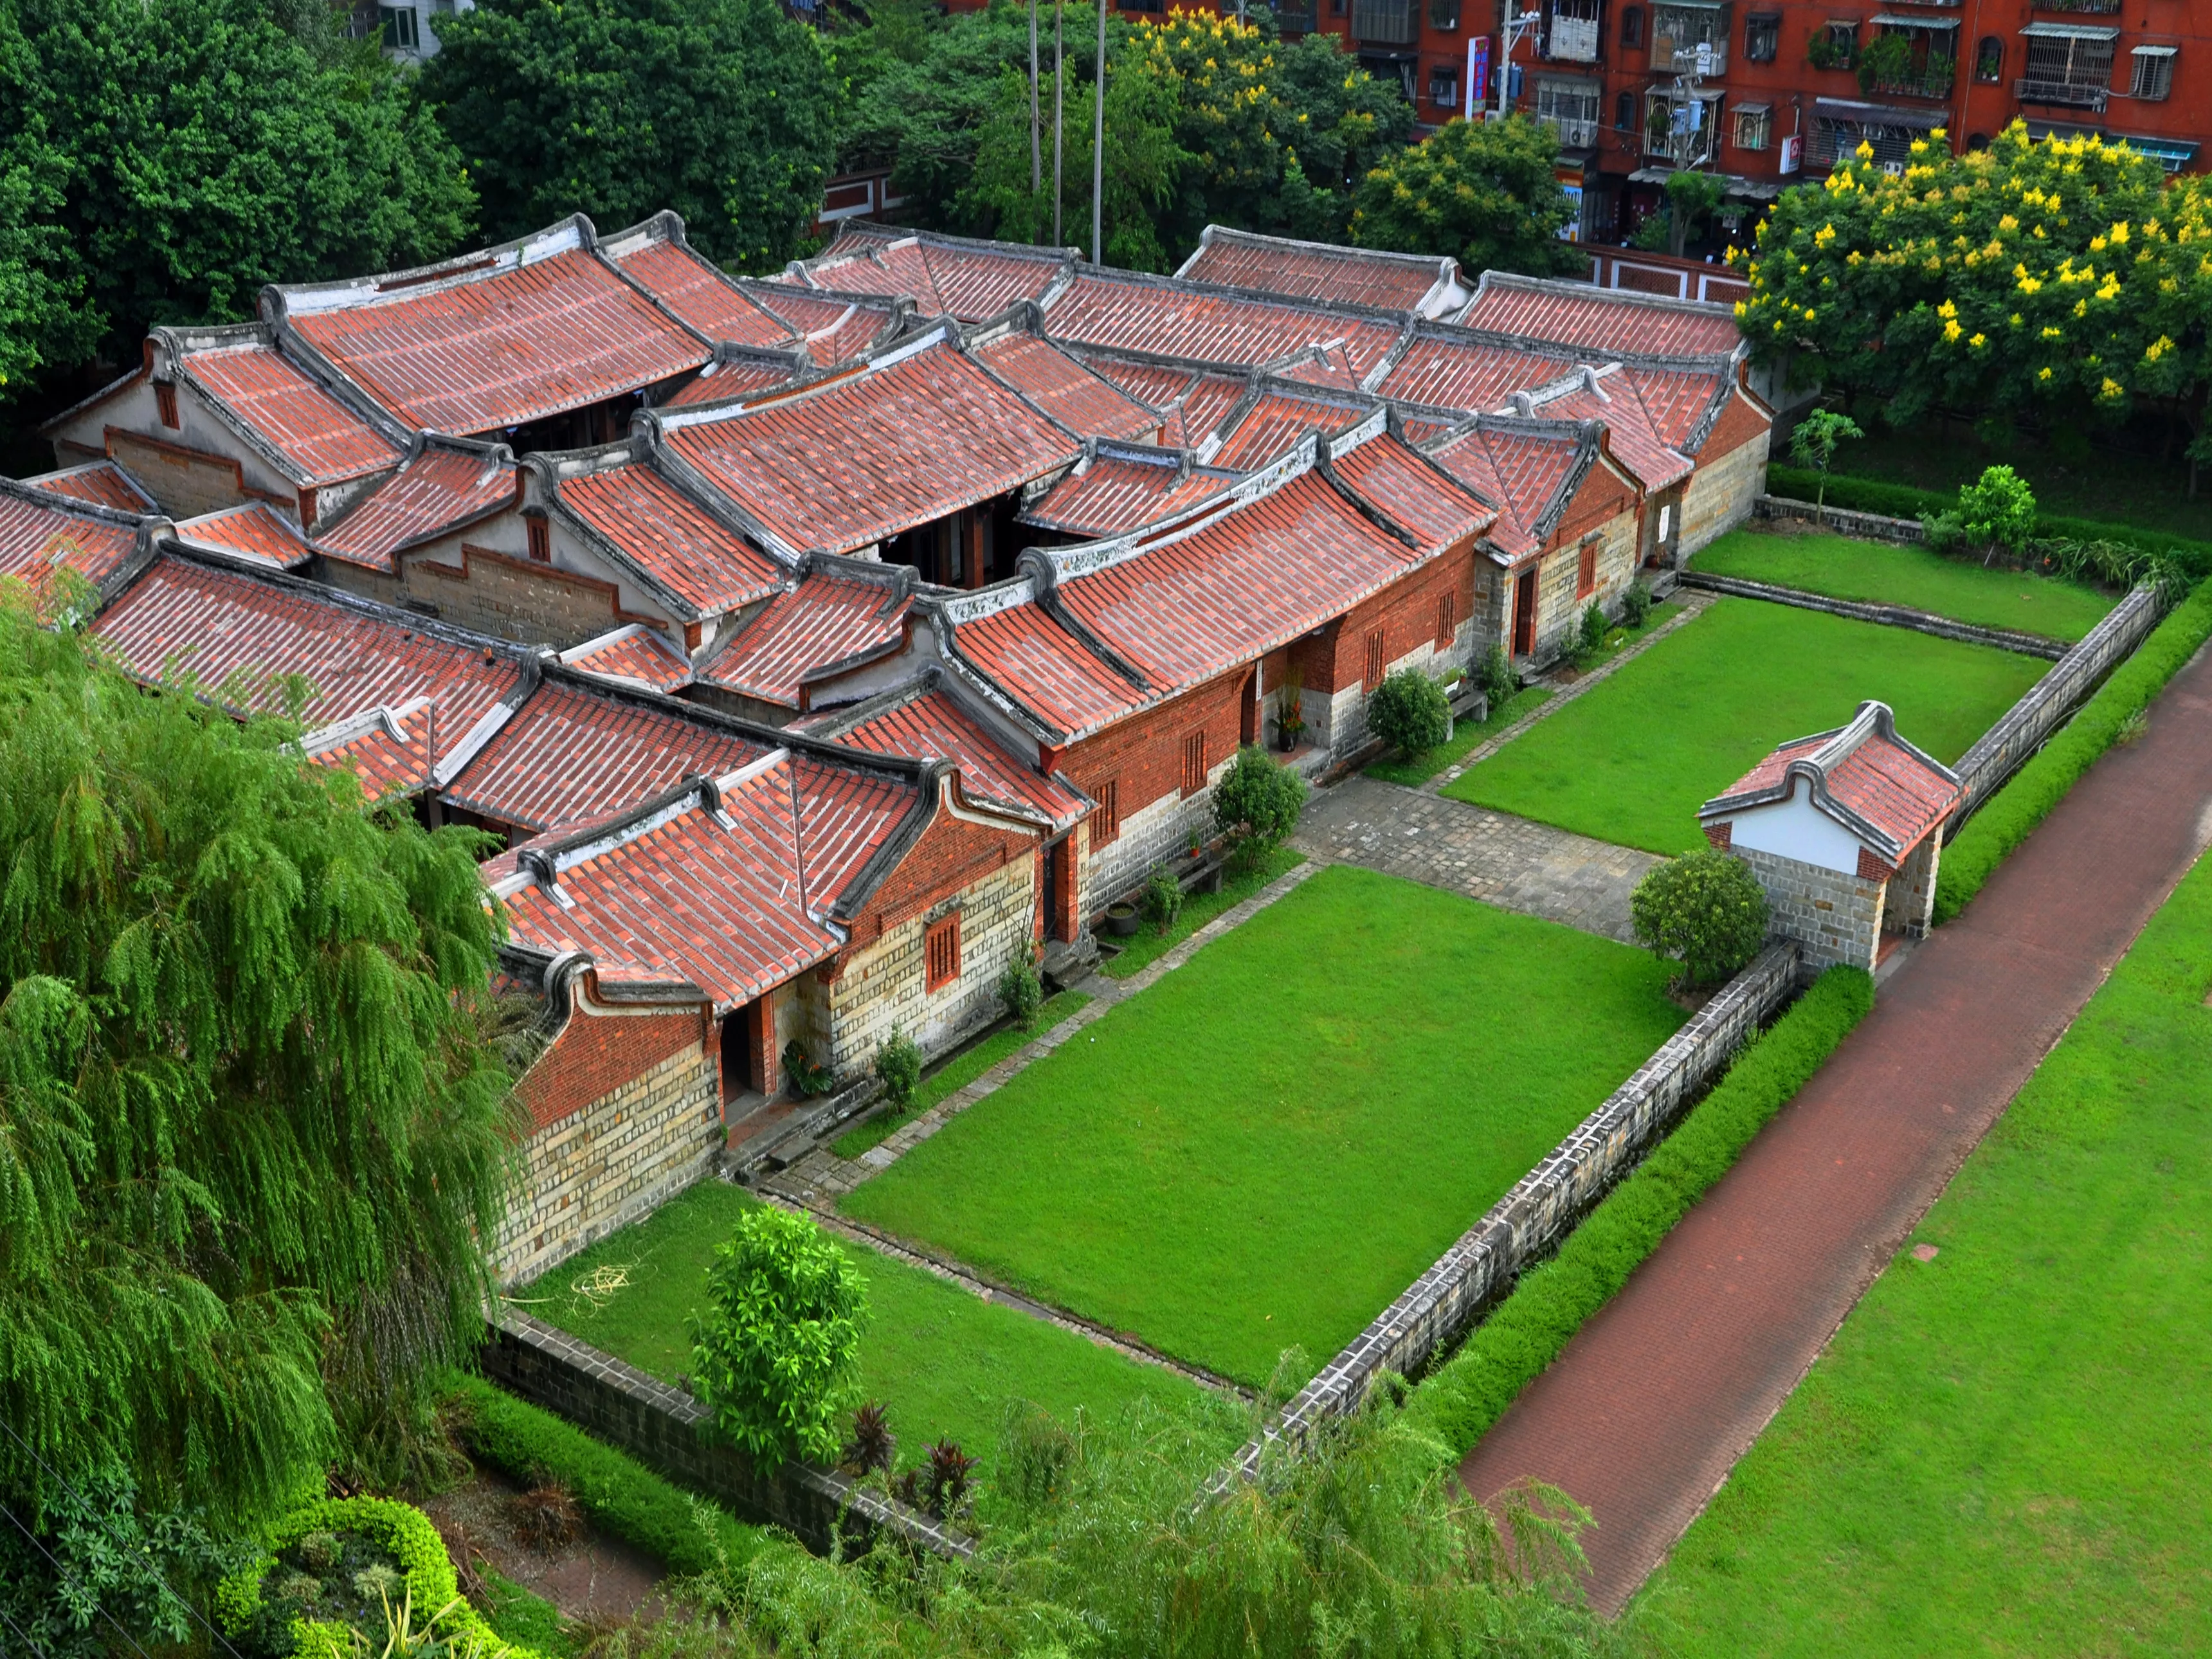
{"x": 1644, "y": 1414}
{"x": 1514, "y": 863}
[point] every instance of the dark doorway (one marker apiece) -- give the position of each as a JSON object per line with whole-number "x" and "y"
{"x": 1524, "y": 613}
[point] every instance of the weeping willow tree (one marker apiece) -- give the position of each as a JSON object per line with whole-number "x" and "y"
{"x": 250, "y": 1135}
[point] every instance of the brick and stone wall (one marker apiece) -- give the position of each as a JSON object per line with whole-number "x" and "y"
{"x": 1730, "y": 478}
{"x": 1143, "y": 759}
{"x": 1558, "y": 607}
{"x": 511, "y": 597}
{"x": 669, "y": 1431}
{"x": 1833, "y": 917}
{"x": 1863, "y": 526}
{"x": 1910, "y": 905}
{"x": 1528, "y": 1222}
{"x": 1887, "y": 616}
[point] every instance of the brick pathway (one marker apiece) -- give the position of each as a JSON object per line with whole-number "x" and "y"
{"x": 1646, "y": 1411}
{"x": 1514, "y": 863}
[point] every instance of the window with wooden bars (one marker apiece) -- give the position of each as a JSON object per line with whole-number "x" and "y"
{"x": 1447, "y": 623}
{"x": 1586, "y": 571}
{"x": 1374, "y": 675}
{"x": 1106, "y": 822}
{"x": 940, "y": 953}
{"x": 541, "y": 540}
{"x": 165, "y": 400}
{"x": 1194, "y": 762}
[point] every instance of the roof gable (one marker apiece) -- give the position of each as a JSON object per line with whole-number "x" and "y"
{"x": 1322, "y": 270}
{"x": 670, "y": 538}
{"x": 1592, "y": 319}
{"x": 440, "y": 487}
{"x": 40, "y": 530}
{"x": 101, "y": 483}
{"x": 1084, "y": 402}
{"x": 824, "y": 621}
{"x": 1863, "y": 775}
{"x": 316, "y": 438}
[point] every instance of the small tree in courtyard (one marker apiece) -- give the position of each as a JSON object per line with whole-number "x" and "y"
{"x": 1410, "y": 711}
{"x": 1813, "y": 445}
{"x": 1255, "y": 805}
{"x": 1705, "y": 910}
{"x": 776, "y": 1355}
{"x": 1998, "y": 510}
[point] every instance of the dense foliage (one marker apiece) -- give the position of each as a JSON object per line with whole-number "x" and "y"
{"x": 776, "y": 1355}
{"x": 1705, "y": 910}
{"x": 725, "y": 110}
{"x": 1486, "y": 193}
{"x": 162, "y": 159}
{"x": 1410, "y": 712}
{"x": 2063, "y": 280}
{"x": 1257, "y": 804}
{"x": 898, "y": 1066}
{"x": 251, "y": 1138}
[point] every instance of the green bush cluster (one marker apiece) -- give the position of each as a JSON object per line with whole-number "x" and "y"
{"x": 1514, "y": 1345}
{"x": 1896, "y": 501}
{"x": 1410, "y": 712}
{"x": 620, "y": 1495}
{"x": 2014, "y": 811}
{"x": 898, "y": 1066}
{"x": 1705, "y": 910}
{"x": 1022, "y": 989}
{"x": 1257, "y": 804}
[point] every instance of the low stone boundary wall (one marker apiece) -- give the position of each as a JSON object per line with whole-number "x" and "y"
{"x": 1867, "y": 526}
{"x": 2021, "y": 731}
{"x": 1889, "y": 616}
{"x": 1525, "y": 1224}
{"x": 665, "y": 1429}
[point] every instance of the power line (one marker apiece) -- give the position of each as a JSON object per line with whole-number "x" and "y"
{"x": 25, "y": 1634}
{"x": 56, "y": 1565}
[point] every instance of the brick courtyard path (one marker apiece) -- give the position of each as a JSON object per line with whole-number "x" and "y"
{"x": 1514, "y": 863}
{"x": 1654, "y": 1400}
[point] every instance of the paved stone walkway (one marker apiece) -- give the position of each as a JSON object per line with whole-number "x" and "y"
{"x": 1514, "y": 863}
{"x": 1647, "y": 1410}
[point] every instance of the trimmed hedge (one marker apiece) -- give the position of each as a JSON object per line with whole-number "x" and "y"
{"x": 620, "y": 1495}
{"x": 2013, "y": 813}
{"x": 1896, "y": 501}
{"x": 1527, "y": 1332}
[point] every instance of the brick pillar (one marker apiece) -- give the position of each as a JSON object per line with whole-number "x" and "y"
{"x": 760, "y": 1036}
{"x": 1067, "y": 923}
{"x": 1911, "y": 903}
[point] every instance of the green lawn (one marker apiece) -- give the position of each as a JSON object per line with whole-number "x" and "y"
{"x": 945, "y": 1361}
{"x": 1877, "y": 573}
{"x": 1148, "y": 944}
{"x": 1633, "y": 758}
{"x": 2005, "y": 1449}
{"x": 1265, "y": 1148}
{"x": 957, "y": 1073}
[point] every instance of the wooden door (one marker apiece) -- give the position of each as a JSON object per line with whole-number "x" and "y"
{"x": 1524, "y": 613}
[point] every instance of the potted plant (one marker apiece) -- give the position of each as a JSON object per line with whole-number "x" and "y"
{"x": 1121, "y": 920}
{"x": 1289, "y": 715}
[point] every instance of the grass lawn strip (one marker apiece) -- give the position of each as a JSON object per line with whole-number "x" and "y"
{"x": 1880, "y": 572}
{"x": 946, "y": 1361}
{"x": 1633, "y": 762}
{"x": 1148, "y": 944}
{"x": 1264, "y": 1148}
{"x": 957, "y": 1073}
{"x": 2003, "y": 1448}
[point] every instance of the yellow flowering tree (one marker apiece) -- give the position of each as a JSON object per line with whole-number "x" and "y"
{"x": 2065, "y": 278}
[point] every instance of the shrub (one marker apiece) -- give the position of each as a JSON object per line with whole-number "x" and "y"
{"x": 776, "y": 1357}
{"x": 1594, "y": 625}
{"x": 898, "y": 1066}
{"x": 940, "y": 1485}
{"x": 1257, "y": 804}
{"x": 1463, "y": 1398}
{"x": 806, "y": 1076}
{"x": 1410, "y": 712}
{"x": 872, "y": 1446}
{"x": 2011, "y": 814}
{"x": 1022, "y": 991}
{"x": 1636, "y": 605}
{"x": 1163, "y": 897}
{"x": 1705, "y": 910}
{"x": 1998, "y": 510}
{"x": 1813, "y": 444}
{"x": 1497, "y": 677}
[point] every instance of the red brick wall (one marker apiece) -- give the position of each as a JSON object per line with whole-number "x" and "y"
{"x": 595, "y": 1054}
{"x": 1145, "y": 753}
{"x": 951, "y": 852}
{"x": 1405, "y": 611}
{"x": 1603, "y": 495}
{"x": 1741, "y": 423}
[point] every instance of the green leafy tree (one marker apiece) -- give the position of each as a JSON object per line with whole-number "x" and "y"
{"x": 1814, "y": 442}
{"x": 252, "y": 1138}
{"x": 1485, "y": 192}
{"x": 1257, "y": 804}
{"x": 1022, "y": 989}
{"x": 776, "y": 1357}
{"x": 1691, "y": 198}
{"x": 1997, "y": 512}
{"x": 1705, "y": 910}
{"x": 1410, "y": 712}
{"x": 162, "y": 159}
{"x": 898, "y": 1064}
{"x": 726, "y": 111}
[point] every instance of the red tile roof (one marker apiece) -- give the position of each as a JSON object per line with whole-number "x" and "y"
{"x": 1630, "y": 434}
{"x": 323, "y": 441}
{"x": 1890, "y": 793}
{"x": 436, "y": 491}
{"x": 256, "y": 530}
{"x": 1159, "y": 314}
{"x": 1520, "y": 471}
{"x": 181, "y": 617}
{"x": 1316, "y": 271}
{"x": 1157, "y": 385}
{"x": 1682, "y": 400}
{"x": 824, "y": 620}
{"x": 847, "y": 815}
{"x": 1275, "y": 422}
{"x": 948, "y": 276}
{"x": 1117, "y": 493}
{"x": 1596, "y": 319}
{"x": 1327, "y": 366}
{"x": 1071, "y": 393}
{"x": 570, "y": 756}
{"x": 931, "y": 725}
{"x": 479, "y": 353}
{"x": 1447, "y": 369}
{"x": 696, "y": 291}
{"x": 101, "y": 482}
{"x": 834, "y": 329}
{"x": 1412, "y": 490}
{"x": 39, "y": 530}
{"x": 720, "y": 382}
{"x": 1041, "y": 665}
{"x": 858, "y": 460}
{"x": 635, "y": 654}
{"x": 391, "y": 750}
{"x": 672, "y": 538}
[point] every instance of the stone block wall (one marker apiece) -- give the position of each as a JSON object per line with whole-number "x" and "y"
{"x": 669, "y": 1431}
{"x": 1833, "y": 917}
{"x": 1558, "y": 607}
{"x": 1910, "y": 905}
{"x": 1529, "y": 1221}
{"x": 1157, "y": 833}
{"x": 1865, "y": 526}
{"x": 1728, "y": 482}
{"x": 613, "y": 1162}
{"x": 512, "y": 598}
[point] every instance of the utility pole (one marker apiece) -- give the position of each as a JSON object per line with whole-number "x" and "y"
{"x": 1098, "y": 152}
{"x": 1510, "y": 31}
{"x": 1036, "y": 160}
{"x": 1059, "y": 101}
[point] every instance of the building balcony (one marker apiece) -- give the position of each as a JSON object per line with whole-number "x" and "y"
{"x": 1385, "y": 22}
{"x": 1295, "y": 20}
{"x": 2072, "y": 95}
{"x": 1934, "y": 82}
{"x": 1573, "y": 40}
{"x": 1574, "y": 132}
{"x": 2077, "y": 5}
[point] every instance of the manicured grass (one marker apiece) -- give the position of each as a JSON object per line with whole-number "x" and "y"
{"x": 526, "y": 1618}
{"x": 1465, "y": 737}
{"x": 1877, "y": 573}
{"x": 943, "y": 1360}
{"x": 956, "y": 1074}
{"x": 1148, "y": 944}
{"x": 1266, "y": 1146}
{"x": 1633, "y": 760}
{"x": 2004, "y": 1450}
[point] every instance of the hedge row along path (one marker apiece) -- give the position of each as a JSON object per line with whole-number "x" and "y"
{"x": 1650, "y": 1405}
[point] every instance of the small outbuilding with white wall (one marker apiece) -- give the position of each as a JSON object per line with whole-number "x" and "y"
{"x": 1843, "y": 829}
